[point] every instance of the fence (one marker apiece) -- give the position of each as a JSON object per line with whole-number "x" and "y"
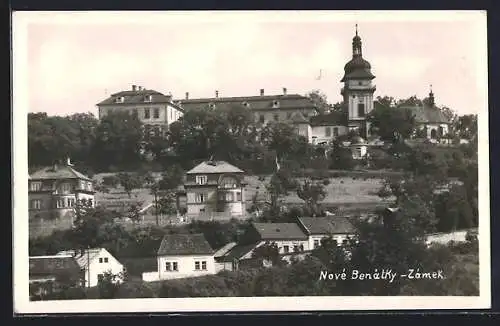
{"x": 150, "y": 276}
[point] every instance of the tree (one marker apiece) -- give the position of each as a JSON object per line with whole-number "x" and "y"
{"x": 111, "y": 181}
{"x": 88, "y": 224}
{"x": 391, "y": 123}
{"x": 341, "y": 157}
{"x": 466, "y": 127}
{"x": 118, "y": 140}
{"x": 386, "y": 101}
{"x": 269, "y": 251}
{"x": 129, "y": 182}
{"x": 454, "y": 210}
{"x": 284, "y": 141}
{"x": 280, "y": 185}
{"x": 108, "y": 285}
{"x": 311, "y": 193}
{"x": 319, "y": 100}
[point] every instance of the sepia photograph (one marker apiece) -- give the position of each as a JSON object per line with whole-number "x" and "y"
{"x": 250, "y": 161}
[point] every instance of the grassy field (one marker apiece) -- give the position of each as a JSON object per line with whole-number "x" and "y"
{"x": 348, "y": 192}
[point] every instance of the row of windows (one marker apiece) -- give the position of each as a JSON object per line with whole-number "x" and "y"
{"x": 103, "y": 260}
{"x": 296, "y": 248}
{"x": 317, "y": 243}
{"x": 229, "y": 196}
{"x": 61, "y": 203}
{"x": 63, "y": 188}
{"x": 174, "y": 266}
{"x": 329, "y": 130}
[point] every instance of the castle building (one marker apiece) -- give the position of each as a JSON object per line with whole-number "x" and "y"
{"x": 154, "y": 109}
{"x": 265, "y": 108}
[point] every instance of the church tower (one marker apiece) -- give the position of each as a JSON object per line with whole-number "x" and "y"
{"x": 358, "y": 89}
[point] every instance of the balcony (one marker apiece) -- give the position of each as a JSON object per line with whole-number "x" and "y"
{"x": 371, "y": 88}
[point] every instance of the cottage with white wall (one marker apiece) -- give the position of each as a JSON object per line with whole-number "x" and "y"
{"x": 182, "y": 256}
{"x": 95, "y": 263}
{"x": 318, "y": 228}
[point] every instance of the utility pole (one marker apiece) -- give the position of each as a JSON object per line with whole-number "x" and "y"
{"x": 88, "y": 266}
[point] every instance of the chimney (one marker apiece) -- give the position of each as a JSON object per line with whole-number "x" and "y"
{"x": 261, "y": 92}
{"x": 187, "y": 95}
{"x": 284, "y": 90}
{"x": 216, "y": 94}
{"x": 134, "y": 88}
{"x": 139, "y": 88}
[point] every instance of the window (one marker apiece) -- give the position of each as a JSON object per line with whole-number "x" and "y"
{"x": 36, "y": 186}
{"x": 245, "y": 104}
{"x": 261, "y": 118}
{"x": 171, "y": 266}
{"x": 200, "y": 198}
{"x": 146, "y": 114}
{"x": 286, "y": 249}
{"x": 361, "y": 109}
{"x": 301, "y": 247}
{"x": 100, "y": 260}
{"x": 440, "y": 131}
{"x": 71, "y": 202}
{"x": 60, "y": 203}
{"x": 316, "y": 244}
{"x": 66, "y": 187}
{"x": 229, "y": 182}
{"x": 296, "y": 248}
{"x": 275, "y": 104}
{"x": 335, "y": 131}
{"x": 201, "y": 179}
{"x": 156, "y": 113}
{"x": 148, "y": 98}
{"x": 105, "y": 259}
{"x": 89, "y": 203}
{"x": 344, "y": 242}
{"x": 328, "y": 132}
{"x": 238, "y": 196}
{"x": 229, "y": 196}
{"x": 211, "y": 106}
{"x": 200, "y": 265}
{"x": 433, "y": 134}
{"x": 100, "y": 277}
{"x": 36, "y": 204}
{"x": 120, "y": 99}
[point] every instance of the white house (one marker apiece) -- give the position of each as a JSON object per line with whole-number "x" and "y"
{"x": 95, "y": 263}
{"x": 318, "y": 228}
{"x": 182, "y": 256}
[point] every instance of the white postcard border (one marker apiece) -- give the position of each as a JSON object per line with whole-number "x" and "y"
{"x": 20, "y": 95}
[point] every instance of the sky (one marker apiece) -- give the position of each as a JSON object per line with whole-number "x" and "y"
{"x": 72, "y": 61}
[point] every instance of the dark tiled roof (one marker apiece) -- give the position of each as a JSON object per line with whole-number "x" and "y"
{"x": 58, "y": 172}
{"x": 265, "y": 102}
{"x": 427, "y": 114}
{"x": 326, "y": 225}
{"x": 136, "y": 97}
{"x": 237, "y": 252}
{"x": 51, "y": 265}
{"x": 184, "y": 244}
{"x": 329, "y": 119}
{"x": 216, "y": 167}
{"x": 279, "y": 231}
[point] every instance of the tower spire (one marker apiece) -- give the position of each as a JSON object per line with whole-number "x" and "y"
{"x": 356, "y": 44}
{"x": 431, "y": 97}
{"x": 356, "y": 29}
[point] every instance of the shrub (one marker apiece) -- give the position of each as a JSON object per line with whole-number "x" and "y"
{"x": 326, "y": 182}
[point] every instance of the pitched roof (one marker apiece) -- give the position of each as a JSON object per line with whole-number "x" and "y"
{"x": 237, "y": 252}
{"x": 58, "y": 172}
{"x": 330, "y": 119}
{"x": 427, "y": 114}
{"x": 279, "y": 231}
{"x": 225, "y": 249}
{"x": 82, "y": 258}
{"x": 136, "y": 97}
{"x": 264, "y": 102}
{"x": 208, "y": 167}
{"x": 51, "y": 265}
{"x": 326, "y": 225}
{"x": 184, "y": 244}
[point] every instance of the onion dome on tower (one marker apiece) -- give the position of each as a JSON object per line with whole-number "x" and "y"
{"x": 357, "y": 68}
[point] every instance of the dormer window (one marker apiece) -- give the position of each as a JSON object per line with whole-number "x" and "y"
{"x": 245, "y": 104}
{"x": 276, "y": 104}
{"x": 120, "y": 99}
{"x": 148, "y": 98}
{"x": 211, "y": 106}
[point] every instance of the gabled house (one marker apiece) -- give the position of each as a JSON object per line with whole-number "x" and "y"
{"x": 55, "y": 191}
{"x": 48, "y": 273}
{"x": 184, "y": 255}
{"x": 328, "y": 126}
{"x": 215, "y": 188}
{"x": 317, "y": 228}
{"x": 95, "y": 263}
